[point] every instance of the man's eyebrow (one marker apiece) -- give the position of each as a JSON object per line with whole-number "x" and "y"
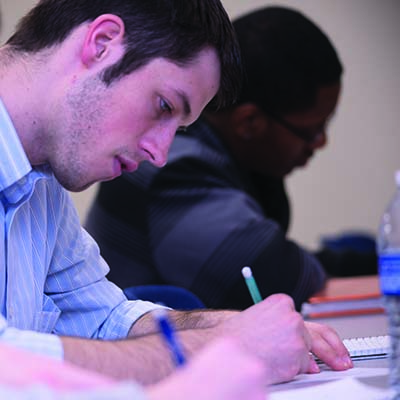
{"x": 185, "y": 101}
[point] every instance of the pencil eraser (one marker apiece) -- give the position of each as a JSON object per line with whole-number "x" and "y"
{"x": 246, "y": 272}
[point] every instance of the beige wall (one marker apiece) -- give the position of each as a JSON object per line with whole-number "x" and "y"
{"x": 347, "y": 185}
{"x": 11, "y": 11}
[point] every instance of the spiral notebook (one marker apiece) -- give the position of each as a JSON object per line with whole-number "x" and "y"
{"x": 368, "y": 347}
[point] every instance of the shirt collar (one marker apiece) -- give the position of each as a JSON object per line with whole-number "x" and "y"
{"x": 14, "y": 163}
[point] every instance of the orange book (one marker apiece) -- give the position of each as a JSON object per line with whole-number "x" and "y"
{"x": 346, "y": 296}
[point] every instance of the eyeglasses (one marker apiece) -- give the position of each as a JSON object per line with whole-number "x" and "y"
{"x": 307, "y": 136}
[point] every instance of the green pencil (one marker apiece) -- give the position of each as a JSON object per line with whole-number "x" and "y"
{"x": 251, "y": 284}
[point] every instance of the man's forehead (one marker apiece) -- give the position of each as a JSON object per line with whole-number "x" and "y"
{"x": 323, "y": 108}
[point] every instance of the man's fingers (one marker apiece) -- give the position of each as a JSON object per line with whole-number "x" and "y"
{"x": 312, "y": 367}
{"x": 328, "y": 347}
{"x": 280, "y": 300}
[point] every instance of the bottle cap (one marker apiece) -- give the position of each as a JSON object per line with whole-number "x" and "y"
{"x": 397, "y": 177}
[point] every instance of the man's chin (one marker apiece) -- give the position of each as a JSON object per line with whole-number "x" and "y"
{"x": 276, "y": 174}
{"x": 81, "y": 189}
{"x": 76, "y": 189}
{"x": 87, "y": 185}
{"x": 289, "y": 171}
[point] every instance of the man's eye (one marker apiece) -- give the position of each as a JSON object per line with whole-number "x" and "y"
{"x": 165, "y": 106}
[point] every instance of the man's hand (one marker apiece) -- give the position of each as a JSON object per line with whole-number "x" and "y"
{"x": 275, "y": 332}
{"x": 222, "y": 370}
{"x": 271, "y": 330}
{"x": 328, "y": 347}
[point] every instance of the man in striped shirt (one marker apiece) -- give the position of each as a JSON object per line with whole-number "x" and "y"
{"x": 89, "y": 90}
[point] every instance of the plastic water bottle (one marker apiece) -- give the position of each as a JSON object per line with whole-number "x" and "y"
{"x": 388, "y": 247}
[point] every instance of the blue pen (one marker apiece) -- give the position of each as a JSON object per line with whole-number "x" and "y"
{"x": 169, "y": 335}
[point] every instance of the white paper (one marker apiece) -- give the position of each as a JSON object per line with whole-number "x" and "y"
{"x": 328, "y": 375}
{"x": 348, "y": 388}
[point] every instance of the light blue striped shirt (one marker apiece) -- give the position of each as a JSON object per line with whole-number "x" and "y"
{"x": 52, "y": 277}
{"x": 118, "y": 391}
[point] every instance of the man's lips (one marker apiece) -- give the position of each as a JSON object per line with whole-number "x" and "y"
{"x": 123, "y": 165}
{"x": 301, "y": 162}
{"x": 126, "y": 165}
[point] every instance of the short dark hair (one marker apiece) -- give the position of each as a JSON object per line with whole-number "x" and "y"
{"x": 173, "y": 29}
{"x": 286, "y": 58}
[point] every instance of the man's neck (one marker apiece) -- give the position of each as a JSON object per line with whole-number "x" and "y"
{"x": 21, "y": 95}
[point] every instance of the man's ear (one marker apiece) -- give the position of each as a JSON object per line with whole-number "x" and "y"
{"x": 104, "y": 39}
{"x": 247, "y": 121}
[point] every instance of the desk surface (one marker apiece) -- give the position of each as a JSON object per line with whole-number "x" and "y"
{"x": 362, "y": 326}
{"x": 359, "y": 285}
{"x": 350, "y": 327}
{"x": 357, "y": 325}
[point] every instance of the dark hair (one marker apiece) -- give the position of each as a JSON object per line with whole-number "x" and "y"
{"x": 173, "y": 29}
{"x": 286, "y": 58}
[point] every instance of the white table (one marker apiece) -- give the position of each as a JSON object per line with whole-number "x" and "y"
{"x": 350, "y": 327}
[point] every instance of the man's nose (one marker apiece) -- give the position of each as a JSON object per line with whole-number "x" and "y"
{"x": 158, "y": 145}
{"x": 319, "y": 142}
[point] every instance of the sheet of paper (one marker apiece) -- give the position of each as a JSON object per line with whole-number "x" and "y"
{"x": 328, "y": 375}
{"x": 338, "y": 389}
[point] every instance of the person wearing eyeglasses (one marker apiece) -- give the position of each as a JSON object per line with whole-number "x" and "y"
{"x": 220, "y": 202}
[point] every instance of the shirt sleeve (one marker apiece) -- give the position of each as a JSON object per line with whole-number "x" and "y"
{"x": 196, "y": 227}
{"x": 88, "y": 304}
{"x": 67, "y": 383}
{"x": 218, "y": 230}
{"x": 40, "y": 343}
{"x": 119, "y": 391}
